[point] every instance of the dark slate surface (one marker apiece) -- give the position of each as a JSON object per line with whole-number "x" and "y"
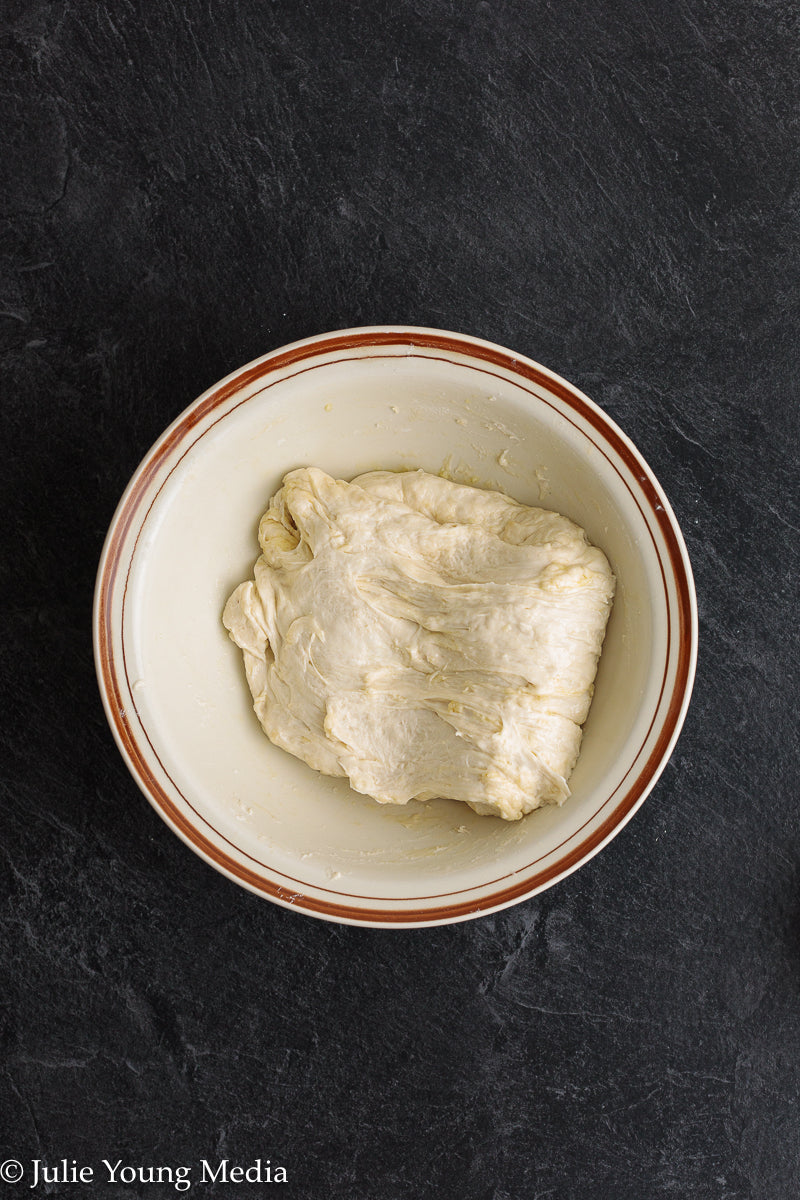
{"x": 610, "y": 189}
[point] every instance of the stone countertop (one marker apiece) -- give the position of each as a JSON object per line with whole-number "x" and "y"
{"x": 608, "y": 189}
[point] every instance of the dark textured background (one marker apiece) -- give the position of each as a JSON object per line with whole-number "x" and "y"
{"x": 609, "y": 188}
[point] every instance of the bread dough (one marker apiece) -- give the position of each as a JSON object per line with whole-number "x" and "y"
{"x": 423, "y": 638}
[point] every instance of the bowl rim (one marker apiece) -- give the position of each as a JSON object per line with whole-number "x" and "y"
{"x": 113, "y": 562}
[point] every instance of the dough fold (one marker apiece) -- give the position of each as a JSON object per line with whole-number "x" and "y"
{"x": 423, "y": 638}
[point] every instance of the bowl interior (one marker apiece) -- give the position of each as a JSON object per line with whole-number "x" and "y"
{"x": 198, "y": 540}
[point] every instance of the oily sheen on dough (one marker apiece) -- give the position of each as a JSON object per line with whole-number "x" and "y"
{"x": 423, "y": 638}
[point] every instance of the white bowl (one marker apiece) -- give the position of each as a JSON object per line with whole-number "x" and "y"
{"x": 185, "y": 534}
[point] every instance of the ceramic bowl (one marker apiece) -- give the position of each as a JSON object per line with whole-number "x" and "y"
{"x": 184, "y": 535}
